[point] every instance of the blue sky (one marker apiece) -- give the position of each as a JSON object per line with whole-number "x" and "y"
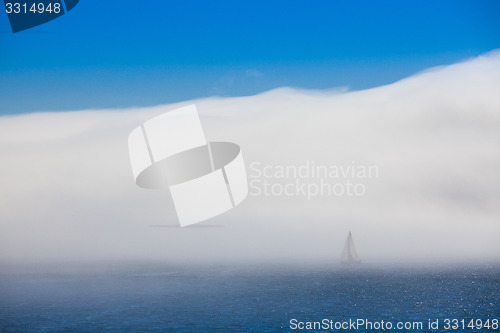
{"x": 106, "y": 54}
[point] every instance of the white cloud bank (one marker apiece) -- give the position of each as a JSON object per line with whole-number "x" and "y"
{"x": 67, "y": 192}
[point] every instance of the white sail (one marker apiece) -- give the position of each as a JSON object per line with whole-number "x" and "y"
{"x": 349, "y": 254}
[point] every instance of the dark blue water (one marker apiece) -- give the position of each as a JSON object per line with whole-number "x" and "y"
{"x": 162, "y": 298}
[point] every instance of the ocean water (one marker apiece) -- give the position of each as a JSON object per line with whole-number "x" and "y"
{"x": 165, "y": 298}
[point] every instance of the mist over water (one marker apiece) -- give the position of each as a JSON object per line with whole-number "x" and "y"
{"x": 83, "y": 249}
{"x": 67, "y": 191}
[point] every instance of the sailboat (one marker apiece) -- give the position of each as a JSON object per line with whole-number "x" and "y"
{"x": 349, "y": 255}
